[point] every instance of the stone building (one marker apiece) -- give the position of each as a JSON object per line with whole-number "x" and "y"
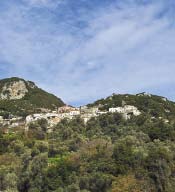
{"x": 126, "y": 111}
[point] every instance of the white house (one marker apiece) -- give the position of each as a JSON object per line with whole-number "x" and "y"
{"x": 34, "y": 117}
{"x": 50, "y": 117}
{"x": 75, "y": 112}
{"x": 131, "y": 109}
{"x": 116, "y": 109}
{"x": 126, "y": 111}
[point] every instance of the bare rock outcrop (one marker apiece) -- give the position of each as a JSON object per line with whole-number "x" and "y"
{"x": 14, "y": 90}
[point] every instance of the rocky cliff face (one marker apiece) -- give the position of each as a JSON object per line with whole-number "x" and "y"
{"x": 14, "y": 90}
{"x": 20, "y": 96}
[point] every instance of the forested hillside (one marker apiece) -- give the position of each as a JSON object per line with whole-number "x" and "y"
{"x": 20, "y": 97}
{"x": 153, "y": 105}
{"x": 107, "y": 154}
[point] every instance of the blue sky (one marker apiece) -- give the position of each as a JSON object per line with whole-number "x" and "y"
{"x": 82, "y": 50}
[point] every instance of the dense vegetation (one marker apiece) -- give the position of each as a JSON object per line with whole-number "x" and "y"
{"x": 153, "y": 105}
{"x": 108, "y": 154}
{"x": 33, "y": 102}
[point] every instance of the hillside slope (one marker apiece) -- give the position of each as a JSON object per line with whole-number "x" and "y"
{"x": 21, "y": 97}
{"x": 151, "y": 105}
{"x": 108, "y": 153}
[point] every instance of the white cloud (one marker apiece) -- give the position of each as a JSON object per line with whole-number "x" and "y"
{"x": 44, "y": 3}
{"x": 120, "y": 50}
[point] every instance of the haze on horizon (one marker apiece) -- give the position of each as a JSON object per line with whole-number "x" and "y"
{"x": 84, "y": 50}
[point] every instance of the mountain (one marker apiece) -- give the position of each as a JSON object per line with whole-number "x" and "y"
{"x": 106, "y": 153}
{"x": 21, "y": 97}
{"x": 148, "y": 104}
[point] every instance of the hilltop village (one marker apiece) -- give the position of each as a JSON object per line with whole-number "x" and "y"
{"x": 23, "y": 103}
{"x": 69, "y": 112}
{"x": 84, "y": 112}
